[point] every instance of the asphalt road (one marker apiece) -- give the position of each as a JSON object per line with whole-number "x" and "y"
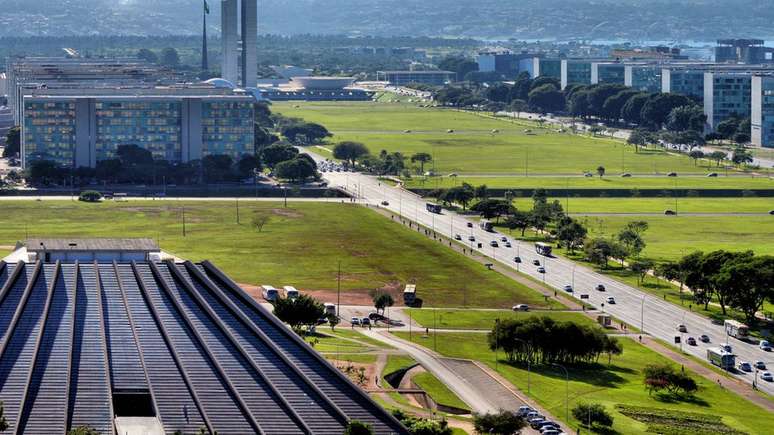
{"x": 649, "y": 313}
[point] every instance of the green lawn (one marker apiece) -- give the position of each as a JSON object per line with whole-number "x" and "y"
{"x": 473, "y": 147}
{"x": 619, "y": 383}
{"x": 438, "y": 391}
{"x": 397, "y": 362}
{"x": 357, "y": 358}
{"x": 301, "y": 245}
{"x": 658, "y": 205}
{"x": 667, "y": 184}
{"x": 478, "y": 319}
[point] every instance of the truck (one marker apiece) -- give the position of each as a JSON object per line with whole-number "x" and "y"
{"x": 736, "y": 329}
{"x": 433, "y": 208}
{"x": 269, "y": 293}
{"x": 721, "y": 358}
{"x": 486, "y": 225}
{"x": 410, "y": 294}
{"x": 543, "y": 248}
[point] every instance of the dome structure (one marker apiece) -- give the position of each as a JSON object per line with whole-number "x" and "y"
{"x": 220, "y": 83}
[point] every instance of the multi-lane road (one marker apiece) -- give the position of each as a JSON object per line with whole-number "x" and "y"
{"x": 649, "y": 313}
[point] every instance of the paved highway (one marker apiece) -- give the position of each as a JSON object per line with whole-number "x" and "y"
{"x": 649, "y": 313}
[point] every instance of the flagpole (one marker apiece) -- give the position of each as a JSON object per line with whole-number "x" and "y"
{"x": 205, "y": 65}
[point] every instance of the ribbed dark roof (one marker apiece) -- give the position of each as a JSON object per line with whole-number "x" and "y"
{"x": 91, "y": 244}
{"x": 77, "y": 338}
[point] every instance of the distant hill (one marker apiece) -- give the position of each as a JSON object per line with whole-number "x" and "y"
{"x": 525, "y": 19}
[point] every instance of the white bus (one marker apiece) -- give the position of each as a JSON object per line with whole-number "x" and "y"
{"x": 291, "y": 292}
{"x": 269, "y": 293}
{"x": 736, "y": 329}
{"x": 330, "y": 309}
{"x": 721, "y": 358}
{"x": 543, "y": 248}
{"x": 486, "y": 225}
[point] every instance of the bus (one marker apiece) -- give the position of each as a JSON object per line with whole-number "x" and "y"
{"x": 543, "y": 248}
{"x": 433, "y": 208}
{"x": 721, "y": 358}
{"x": 736, "y": 329}
{"x": 410, "y": 294}
{"x": 486, "y": 225}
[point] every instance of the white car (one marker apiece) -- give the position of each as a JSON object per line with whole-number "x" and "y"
{"x": 355, "y": 321}
{"x": 611, "y": 300}
{"x": 521, "y": 307}
{"x": 766, "y": 376}
{"x": 541, "y": 269}
{"x": 764, "y": 346}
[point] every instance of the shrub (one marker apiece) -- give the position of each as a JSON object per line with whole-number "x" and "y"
{"x": 355, "y": 427}
{"x": 90, "y": 196}
{"x": 502, "y": 423}
{"x": 591, "y": 414}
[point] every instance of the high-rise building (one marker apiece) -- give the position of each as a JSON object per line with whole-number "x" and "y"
{"x": 762, "y": 111}
{"x": 726, "y": 94}
{"x": 230, "y": 39}
{"x": 249, "y": 43}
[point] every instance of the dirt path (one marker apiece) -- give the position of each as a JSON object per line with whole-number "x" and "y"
{"x": 732, "y": 384}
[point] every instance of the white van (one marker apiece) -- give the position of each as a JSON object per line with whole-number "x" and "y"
{"x": 330, "y": 309}
{"x": 291, "y": 292}
{"x": 270, "y": 293}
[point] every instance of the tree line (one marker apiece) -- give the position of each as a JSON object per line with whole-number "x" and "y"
{"x": 542, "y": 340}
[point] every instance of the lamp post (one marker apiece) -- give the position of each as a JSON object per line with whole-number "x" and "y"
{"x": 566, "y": 391}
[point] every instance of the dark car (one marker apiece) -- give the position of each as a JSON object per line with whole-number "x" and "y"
{"x": 672, "y": 174}
{"x": 517, "y": 259}
{"x": 470, "y": 224}
{"x": 626, "y": 175}
{"x": 712, "y": 174}
{"x": 536, "y": 262}
{"x": 691, "y": 341}
{"x": 600, "y": 287}
{"x": 670, "y": 212}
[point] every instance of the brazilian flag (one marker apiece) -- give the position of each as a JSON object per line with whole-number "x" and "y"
{"x": 206, "y": 8}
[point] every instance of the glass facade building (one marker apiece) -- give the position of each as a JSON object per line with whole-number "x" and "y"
{"x": 688, "y": 82}
{"x": 726, "y": 94}
{"x": 77, "y": 131}
{"x": 644, "y": 77}
{"x": 576, "y": 72}
{"x": 608, "y": 73}
{"x": 762, "y": 111}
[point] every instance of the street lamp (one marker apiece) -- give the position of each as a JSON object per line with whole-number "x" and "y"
{"x": 567, "y": 392}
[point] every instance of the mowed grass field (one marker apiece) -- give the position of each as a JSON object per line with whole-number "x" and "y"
{"x": 609, "y": 385}
{"x": 301, "y": 245}
{"x": 485, "y": 319}
{"x": 473, "y": 148}
{"x": 658, "y": 205}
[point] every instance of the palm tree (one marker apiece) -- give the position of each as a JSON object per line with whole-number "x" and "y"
{"x": 422, "y": 158}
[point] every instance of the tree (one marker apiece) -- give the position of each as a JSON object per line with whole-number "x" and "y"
{"x": 571, "y": 233}
{"x": 689, "y": 117}
{"x": 718, "y": 156}
{"x": 333, "y": 320}
{"x": 519, "y": 220}
{"x": 639, "y": 138}
{"x": 259, "y": 221}
{"x": 276, "y": 153}
{"x": 90, "y": 196}
{"x": 657, "y": 108}
{"x": 601, "y": 171}
{"x": 304, "y": 133}
{"x": 422, "y": 158}
{"x": 12, "y": 142}
{"x": 711, "y": 282}
{"x": 631, "y": 237}
{"x": 298, "y": 312}
{"x": 460, "y": 65}
{"x": 296, "y": 170}
{"x": 502, "y": 423}
{"x": 741, "y": 156}
{"x": 45, "y": 172}
{"x": 632, "y": 110}
{"x": 696, "y": 155}
{"x": 614, "y": 104}
{"x": 728, "y": 127}
{"x": 349, "y": 151}
{"x": 83, "y": 430}
{"x": 482, "y": 192}
{"x": 518, "y": 106}
{"x": 599, "y": 94}
{"x": 641, "y": 267}
{"x": 579, "y": 104}
{"x": 356, "y": 427}
{"x": 546, "y": 98}
{"x": 422, "y": 426}
{"x": 170, "y": 57}
{"x": 216, "y": 168}
{"x": 750, "y": 282}
{"x": 592, "y": 414}
{"x": 147, "y": 55}
{"x": 659, "y": 377}
{"x": 382, "y": 301}
{"x": 598, "y": 251}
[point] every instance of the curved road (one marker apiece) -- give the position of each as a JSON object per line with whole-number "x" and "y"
{"x": 649, "y": 313}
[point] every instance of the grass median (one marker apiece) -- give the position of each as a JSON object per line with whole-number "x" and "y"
{"x": 483, "y": 319}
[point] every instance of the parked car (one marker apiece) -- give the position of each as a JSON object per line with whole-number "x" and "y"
{"x": 764, "y": 346}
{"x": 385, "y": 203}
{"x": 568, "y": 288}
{"x": 354, "y": 321}
{"x": 727, "y": 348}
{"x": 760, "y": 365}
{"x": 704, "y": 338}
{"x": 524, "y": 410}
{"x": 600, "y": 287}
{"x": 745, "y": 366}
{"x": 472, "y": 238}
{"x": 365, "y": 321}
{"x": 691, "y": 341}
{"x": 626, "y": 175}
{"x": 682, "y": 328}
{"x": 521, "y": 307}
{"x": 503, "y": 239}
{"x": 766, "y": 376}
{"x": 672, "y": 174}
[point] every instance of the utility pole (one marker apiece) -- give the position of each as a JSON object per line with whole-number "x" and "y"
{"x": 338, "y": 292}
{"x": 237, "y": 210}
{"x": 183, "y": 221}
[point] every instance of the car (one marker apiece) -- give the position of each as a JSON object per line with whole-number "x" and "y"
{"x": 670, "y": 212}
{"x": 584, "y": 296}
{"x": 760, "y": 365}
{"x": 547, "y": 425}
{"x": 704, "y": 338}
{"x": 472, "y": 238}
{"x": 588, "y": 174}
{"x": 535, "y": 422}
{"x": 385, "y": 203}
{"x": 470, "y": 224}
{"x": 533, "y": 414}
{"x": 600, "y": 287}
{"x": 355, "y": 321}
{"x": 712, "y": 174}
{"x": 541, "y": 269}
{"x": 493, "y": 244}
{"x": 517, "y": 259}
{"x": 672, "y": 174}
{"x": 521, "y": 307}
{"x": 611, "y": 300}
{"x": 551, "y": 432}
{"x": 764, "y": 346}
{"x": 745, "y": 366}
{"x": 771, "y": 212}
{"x": 365, "y": 321}
{"x": 536, "y": 262}
{"x": 508, "y": 244}
{"x": 503, "y": 239}
{"x": 626, "y": 175}
{"x": 524, "y": 410}
{"x": 682, "y": 328}
{"x": 691, "y": 341}
{"x": 766, "y": 376}
{"x": 726, "y": 348}
{"x": 568, "y": 288}
{"x": 457, "y": 237}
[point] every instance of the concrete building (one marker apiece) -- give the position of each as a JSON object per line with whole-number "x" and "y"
{"x": 762, "y": 111}
{"x": 229, "y": 38}
{"x": 81, "y": 127}
{"x": 608, "y": 73}
{"x": 249, "y": 43}
{"x": 316, "y": 89}
{"x": 504, "y": 62}
{"x": 402, "y": 78}
{"x": 575, "y": 72}
{"x": 749, "y": 51}
{"x": 51, "y": 250}
{"x": 643, "y": 77}
{"x": 688, "y": 81}
{"x": 6, "y": 123}
{"x": 726, "y": 94}
{"x": 126, "y": 345}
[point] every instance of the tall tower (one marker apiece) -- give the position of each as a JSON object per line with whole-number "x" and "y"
{"x": 229, "y": 27}
{"x": 205, "y": 11}
{"x": 249, "y": 43}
